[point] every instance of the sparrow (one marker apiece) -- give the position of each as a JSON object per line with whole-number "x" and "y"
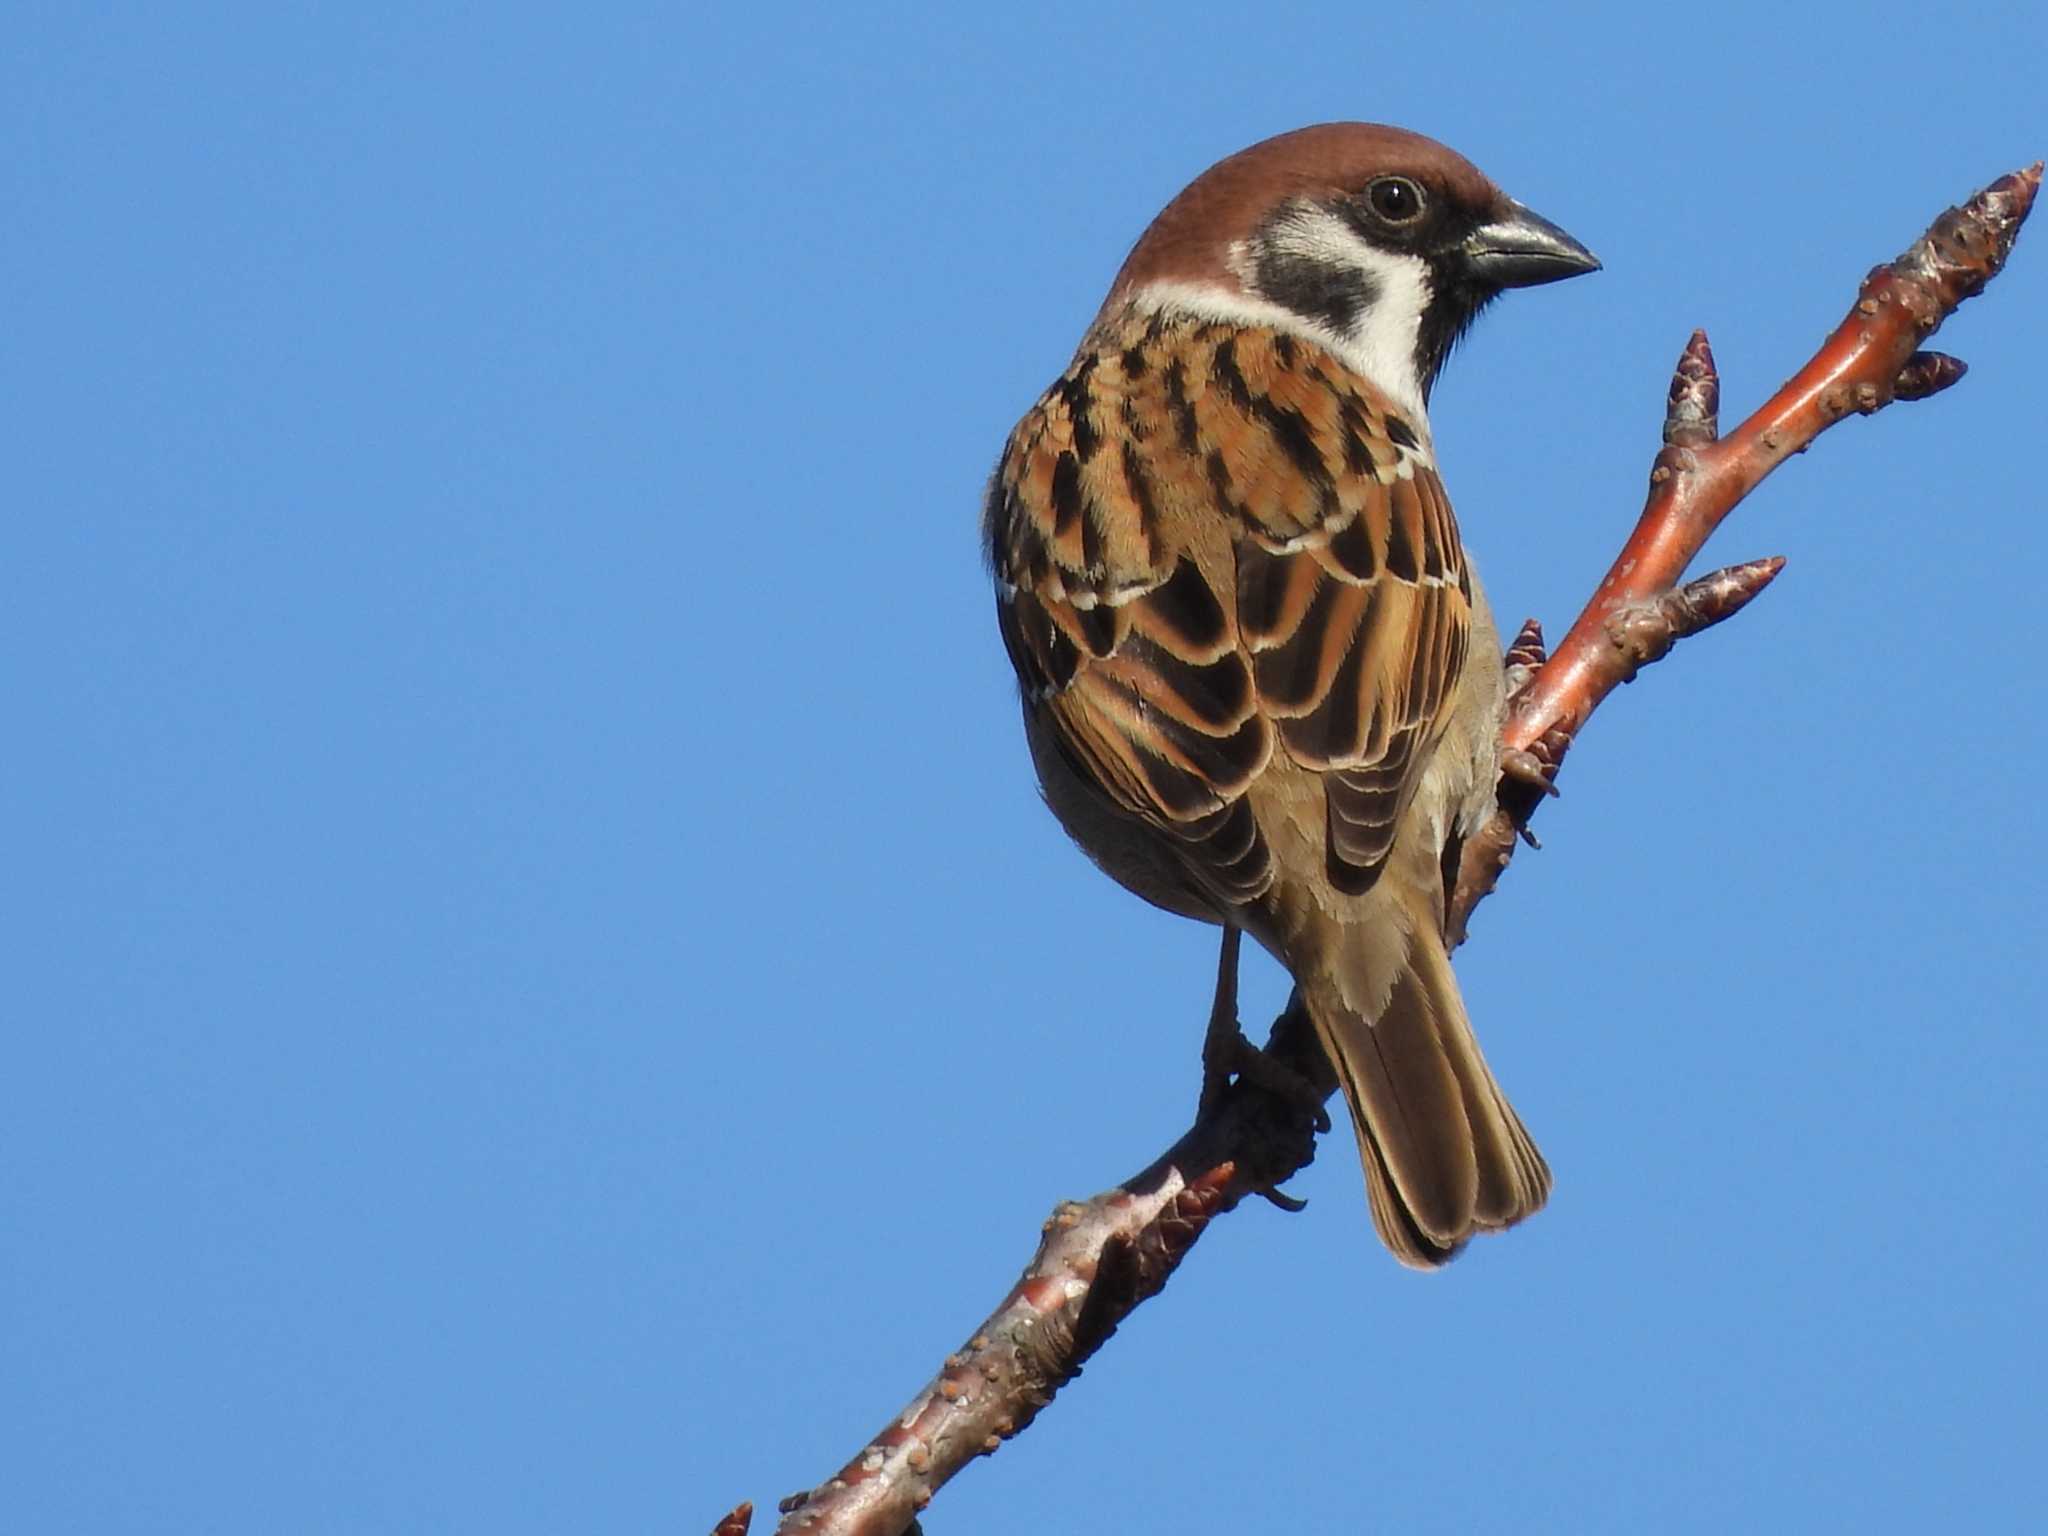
{"x": 1261, "y": 685}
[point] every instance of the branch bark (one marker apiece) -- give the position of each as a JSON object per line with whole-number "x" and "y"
{"x": 1098, "y": 1259}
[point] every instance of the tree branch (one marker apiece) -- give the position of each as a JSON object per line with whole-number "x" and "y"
{"x": 1098, "y": 1259}
{"x": 1698, "y": 478}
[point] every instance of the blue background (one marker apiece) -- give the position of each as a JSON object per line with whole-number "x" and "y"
{"x": 539, "y": 995}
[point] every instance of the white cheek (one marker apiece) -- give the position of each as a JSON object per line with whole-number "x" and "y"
{"x": 1381, "y": 343}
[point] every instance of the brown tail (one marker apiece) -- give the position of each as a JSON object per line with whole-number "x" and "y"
{"x": 1445, "y": 1155}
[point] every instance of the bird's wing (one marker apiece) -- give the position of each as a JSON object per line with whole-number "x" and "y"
{"x": 1332, "y": 620}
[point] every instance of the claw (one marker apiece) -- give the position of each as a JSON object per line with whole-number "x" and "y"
{"x": 1291, "y": 1204}
{"x": 1235, "y": 1056}
{"x": 1525, "y": 767}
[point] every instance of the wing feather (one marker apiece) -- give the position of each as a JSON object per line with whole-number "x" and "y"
{"x": 1328, "y": 619}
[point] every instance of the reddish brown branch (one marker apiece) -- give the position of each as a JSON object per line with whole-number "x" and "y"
{"x": 1100, "y": 1259}
{"x": 1096, "y": 1261}
{"x": 1872, "y": 359}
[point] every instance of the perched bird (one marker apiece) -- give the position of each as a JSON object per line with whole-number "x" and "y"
{"x": 1261, "y": 686}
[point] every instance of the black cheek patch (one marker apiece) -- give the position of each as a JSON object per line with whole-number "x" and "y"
{"x": 1332, "y": 296}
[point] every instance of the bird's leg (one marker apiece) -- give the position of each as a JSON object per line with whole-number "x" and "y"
{"x": 1224, "y": 1047}
{"x": 1227, "y": 1053}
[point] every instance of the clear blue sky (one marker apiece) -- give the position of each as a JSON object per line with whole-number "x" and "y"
{"x": 540, "y": 997}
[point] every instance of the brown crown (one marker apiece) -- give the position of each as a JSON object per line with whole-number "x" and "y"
{"x": 1190, "y": 240}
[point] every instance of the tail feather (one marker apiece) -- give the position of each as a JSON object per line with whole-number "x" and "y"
{"x": 1445, "y": 1155}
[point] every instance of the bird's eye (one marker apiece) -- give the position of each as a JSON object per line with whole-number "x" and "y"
{"x": 1395, "y": 199}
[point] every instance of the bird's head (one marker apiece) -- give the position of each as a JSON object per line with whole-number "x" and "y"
{"x": 1379, "y": 244}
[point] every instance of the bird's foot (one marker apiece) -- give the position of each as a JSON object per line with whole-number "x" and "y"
{"x": 1518, "y": 765}
{"x": 1227, "y": 1055}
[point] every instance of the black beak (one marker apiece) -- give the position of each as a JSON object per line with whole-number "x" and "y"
{"x": 1520, "y": 249}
